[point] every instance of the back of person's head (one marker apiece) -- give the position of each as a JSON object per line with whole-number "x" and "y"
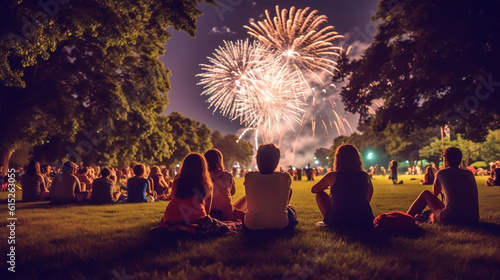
{"x": 105, "y": 172}
{"x": 139, "y": 169}
{"x": 268, "y": 157}
{"x": 44, "y": 168}
{"x": 83, "y": 170}
{"x": 68, "y": 167}
{"x": 394, "y": 163}
{"x": 453, "y": 156}
{"x": 429, "y": 170}
{"x": 214, "y": 160}
{"x": 155, "y": 170}
{"x": 193, "y": 178}
{"x": 33, "y": 168}
{"x": 347, "y": 159}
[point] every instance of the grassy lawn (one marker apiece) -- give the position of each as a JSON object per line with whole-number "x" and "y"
{"x": 114, "y": 241}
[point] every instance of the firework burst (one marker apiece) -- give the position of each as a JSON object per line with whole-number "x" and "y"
{"x": 300, "y": 38}
{"x": 270, "y": 96}
{"x": 230, "y": 63}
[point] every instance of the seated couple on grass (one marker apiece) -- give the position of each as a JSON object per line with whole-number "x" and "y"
{"x": 351, "y": 190}
{"x": 198, "y": 194}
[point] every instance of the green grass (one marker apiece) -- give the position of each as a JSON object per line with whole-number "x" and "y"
{"x": 85, "y": 241}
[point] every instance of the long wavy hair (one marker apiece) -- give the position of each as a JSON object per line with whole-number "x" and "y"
{"x": 193, "y": 178}
{"x": 348, "y": 159}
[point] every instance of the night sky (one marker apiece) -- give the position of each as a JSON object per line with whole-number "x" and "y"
{"x": 184, "y": 54}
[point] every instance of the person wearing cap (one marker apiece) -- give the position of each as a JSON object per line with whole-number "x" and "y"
{"x": 66, "y": 186}
{"x": 459, "y": 188}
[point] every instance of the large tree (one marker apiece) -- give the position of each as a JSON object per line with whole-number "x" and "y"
{"x": 232, "y": 149}
{"x": 432, "y": 63}
{"x": 189, "y": 136}
{"x": 84, "y": 77}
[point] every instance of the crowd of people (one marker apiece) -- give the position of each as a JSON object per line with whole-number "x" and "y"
{"x": 201, "y": 193}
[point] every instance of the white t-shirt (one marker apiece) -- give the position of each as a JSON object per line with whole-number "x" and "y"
{"x": 267, "y": 200}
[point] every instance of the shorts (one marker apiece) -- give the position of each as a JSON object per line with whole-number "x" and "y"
{"x": 292, "y": 222}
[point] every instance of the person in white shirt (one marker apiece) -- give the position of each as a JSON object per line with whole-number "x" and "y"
{"x": 268, "y": 194}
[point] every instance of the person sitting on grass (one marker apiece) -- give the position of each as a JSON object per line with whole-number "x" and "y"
{"x": 139, "y": 189}
{"x": 224, "y": 189}
{"x": 191, "y": 200}
{"x": 66, "y": 187}
{"x": 459, "y": 188}
{"x": 268, "y": 194}
{"x": 102, "y": 189}
{"x": 351, "y": 190}
{"x": 428, "y": 176}
{"x": 159, "y": 184}
{"x": 84, "y": 178}
{"x": 393, "y": 168}
{"x": 33, "y": 184}
{"x": 494, "y": 179}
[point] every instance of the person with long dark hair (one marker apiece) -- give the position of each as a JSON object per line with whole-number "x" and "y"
{"x": 351, "y": 190}
{"x": 191, "y": 200}
{"x": 33, "y": 183}
{"x": 224, "y": 189}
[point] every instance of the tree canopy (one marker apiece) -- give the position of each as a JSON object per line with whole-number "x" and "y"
{"x": 189, "y": 136}
{"x": 83, "y": 79}
{"x": 232, "y": 149}
{"x": 432, "y": 63}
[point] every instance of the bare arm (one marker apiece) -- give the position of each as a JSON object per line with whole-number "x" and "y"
{"x": 327, "y": 181}
{"x": 370, "y": 189}
{"x": 436, "y": 188}
{"x": 233, "y": 186}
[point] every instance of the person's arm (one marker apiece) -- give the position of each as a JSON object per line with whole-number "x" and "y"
{"x": 42, "y": 184}
{"x": 150, "y": 186}
{"x": 233, "y": 185}
{"x": 78, "y": 189}
{"x": 370, "y": 189}
{"x": 327, "y": 181}
{"x": 436, "y": 188}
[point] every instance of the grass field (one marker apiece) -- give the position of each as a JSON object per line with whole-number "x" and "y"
{"x": 115, "y": 242}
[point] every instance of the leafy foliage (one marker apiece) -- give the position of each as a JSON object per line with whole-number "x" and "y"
{"x": 432, "y": 63}
{"x": 86, "y": 82}
{"x": 232, "y": 149}
{"x": 189, "y": 136}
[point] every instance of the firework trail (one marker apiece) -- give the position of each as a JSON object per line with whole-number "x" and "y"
{"x": 300, "y": 39}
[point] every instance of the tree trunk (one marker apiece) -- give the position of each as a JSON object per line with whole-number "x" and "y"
{"x": 5, "y": 158}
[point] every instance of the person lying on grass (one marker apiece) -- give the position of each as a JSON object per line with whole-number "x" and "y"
{"x": 66, "y": 187}
{"x": 140, "y": 189}
{"x": 191, "y": 200}
{"x": 224, "y": 189}
{"x": 351, "y": 190}
{"x": 268, "y": 194}
{"x": 459, "y": 188}
{"x": 102, "y": 189}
